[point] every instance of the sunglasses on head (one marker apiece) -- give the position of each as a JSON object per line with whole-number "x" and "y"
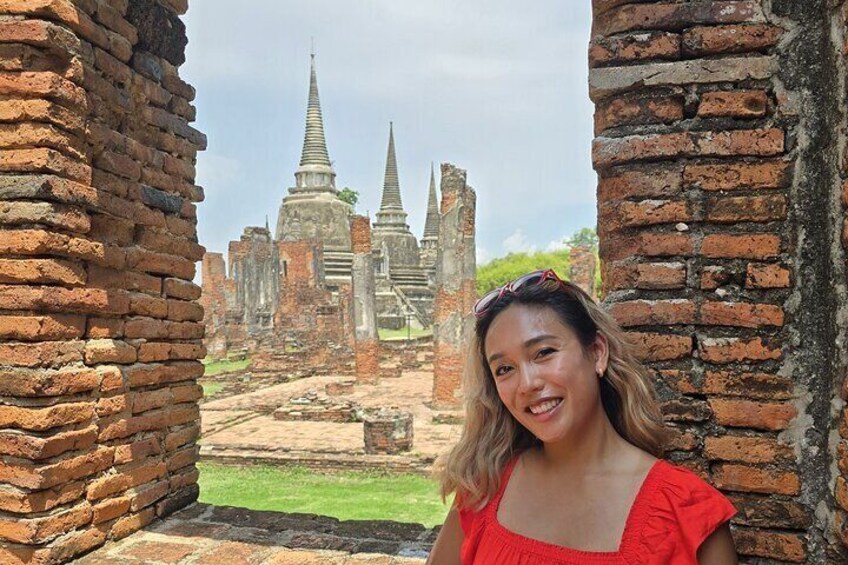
{"x": 482, "y": 306}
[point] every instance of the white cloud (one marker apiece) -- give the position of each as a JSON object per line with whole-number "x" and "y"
{"x": 517, "y": 242}
{"x": 556, "y": 245}
{"x": 483, "y": 256}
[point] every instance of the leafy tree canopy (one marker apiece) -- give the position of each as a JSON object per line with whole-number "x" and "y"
{"x": 349, "y": 195}
{"x": 500, "y": 271}
{"x": 585, "y": 237}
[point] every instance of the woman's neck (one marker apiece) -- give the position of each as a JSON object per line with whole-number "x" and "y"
{"x": 590, "y": 447}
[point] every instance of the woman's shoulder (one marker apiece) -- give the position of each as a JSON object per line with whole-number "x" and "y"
{"x": 684, "y": 507}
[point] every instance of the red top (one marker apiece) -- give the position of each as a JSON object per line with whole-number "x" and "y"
{"x": 674, "y": 512}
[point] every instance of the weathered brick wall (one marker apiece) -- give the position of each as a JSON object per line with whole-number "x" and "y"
{"x": 99, "y": 325}
{"x": 719, "y": 150}
{"x": 214, "y": 276}
{"x": 456, "y": 290}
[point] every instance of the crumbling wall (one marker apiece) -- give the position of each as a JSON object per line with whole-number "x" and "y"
{"x": 99, "y": 323}
{"x": 455, "y": 284}
{"x": 720, "y": 151}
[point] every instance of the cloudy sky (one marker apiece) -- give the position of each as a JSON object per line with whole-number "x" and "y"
{"x": 496, "y": 87}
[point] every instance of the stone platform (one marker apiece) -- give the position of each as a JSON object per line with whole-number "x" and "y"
{"x": 234, "y": 536}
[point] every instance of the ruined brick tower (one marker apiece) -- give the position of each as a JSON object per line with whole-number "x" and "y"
{"x": 721, "y": 156}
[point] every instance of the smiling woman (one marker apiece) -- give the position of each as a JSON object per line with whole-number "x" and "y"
{"x": 559, "y": 460}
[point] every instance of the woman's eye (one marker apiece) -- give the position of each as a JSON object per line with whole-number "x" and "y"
{"x": 502, "y": 370}
{"x": 545, "y": 351}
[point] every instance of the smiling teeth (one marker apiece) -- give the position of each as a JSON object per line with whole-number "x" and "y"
{"x": 546, "y": 406}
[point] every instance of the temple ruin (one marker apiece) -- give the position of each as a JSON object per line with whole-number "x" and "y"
{"x": 248, "y": 294}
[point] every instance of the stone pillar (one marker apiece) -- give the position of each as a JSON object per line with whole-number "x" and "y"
{"x": 582, "y": 267}
{"x": 720, "y": 151}
{"x": 455, "y": 285}
{"x": 214, "y": 275}
{"x": 100, "y": 328}
{"x": 367, "y": 343}
{"x": 387, "y": 431}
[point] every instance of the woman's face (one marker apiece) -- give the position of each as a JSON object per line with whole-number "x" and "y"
{"x": 544, "y": 376}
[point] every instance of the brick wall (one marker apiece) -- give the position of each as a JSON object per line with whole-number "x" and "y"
{"x": 99, "y": 325}
{"x": 720, "y": 155}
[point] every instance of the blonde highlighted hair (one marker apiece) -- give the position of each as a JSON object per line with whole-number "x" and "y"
{"x": 491, "y": 437}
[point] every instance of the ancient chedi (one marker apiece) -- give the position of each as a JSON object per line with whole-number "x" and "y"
{"x": 403, "y": 291}
{"x": 246, "y": 296}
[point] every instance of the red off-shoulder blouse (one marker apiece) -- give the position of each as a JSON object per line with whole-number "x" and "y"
{"x": 674, "y": 512}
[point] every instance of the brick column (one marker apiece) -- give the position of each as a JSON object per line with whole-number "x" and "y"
{"x": 367, "y": 343}
{"x": 214, "y": 277}
{"x": 455, "y": 284}
{"x": 582, "y": 267}
{"x": 99, "y": 323}
{"x": 719, "y": 142}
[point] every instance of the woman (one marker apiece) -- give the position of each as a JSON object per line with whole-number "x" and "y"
{"x": 560, "y": 461}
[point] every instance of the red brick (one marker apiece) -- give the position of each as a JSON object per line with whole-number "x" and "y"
{"x": 43, "y": 529}
{"x": 746, "y": 449}
{"x": 183, "y": 458}
{"x": 714, "y": 276}
{"x": 110, "y": 509}
{"x": 41, "y": 271}
{"x": 45, "y": 476}
{"x": 39, "y": 328}
{"x": 685, "y": 410}
{"x": 66, "y": 300}
{"x": 634, "y": 47}
{"x": 184, "y": 290}
{"x": 649, "y": 276}
{"x": 646, "y": 182}
{"x": 754, "y": 479}
{"x": 674, "y": 16}
{"x": 713, "y": 40}
{"x": 748, "y": 246}
{"x": 137, "y": 451}
{"x": 650, "y": 212}
{"x": 22, "y": 502}
{"x": 771, "y": 545}
{"x": 766, "y": 275}
{"x": 109, "y": 351}
{"x": 733, "y": 350}
{"x": 36, "y": 447}
{"x": 182, "y": 437}
{"x": 150, "y": 306}
{"x": 659, "y": 347}
{"x": 114, "y": 404}
{"x": 752, "y": 385}
{"x": 149, "y": 495}
{"x": 733, "y": 104}
{"x": 41, "y": 419}
{"x": 653, "y": 312}
{"x": 771, "y": 416}
{"x": 132, "y": 523}
{"x": 103, "y": 328}
{"x": 741, "y": 314}
{"x": 664, "y": 244}
{"x": 746, "y": 209}
{"x": 38, "y": 383}
{"x": 149, "y": 400}
{"x": 637, "y": 111}
{"x": 55, "y": 215}
{"x": 608, "y": 151}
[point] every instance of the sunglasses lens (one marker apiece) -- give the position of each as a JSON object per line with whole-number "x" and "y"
{"x": 529, "y": 278}
{"x": 484, "y": 303}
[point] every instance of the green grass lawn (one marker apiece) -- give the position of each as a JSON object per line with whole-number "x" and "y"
{"x": 211, "y": 388}
{"x": 227, "y": 366}
{"x": 351, "y": 495}
{"x": 401, "y": 333}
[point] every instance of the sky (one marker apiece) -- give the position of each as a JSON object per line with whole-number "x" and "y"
{"x": 496, "y": 87}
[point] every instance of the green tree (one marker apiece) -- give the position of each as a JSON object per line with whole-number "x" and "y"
{"x": 349, "y": 195}
{"x": 584, "y": 237}
{"x": 500, "y": 271}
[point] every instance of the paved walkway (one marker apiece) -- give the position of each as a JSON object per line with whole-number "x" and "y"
{"x": 219, "y": 535}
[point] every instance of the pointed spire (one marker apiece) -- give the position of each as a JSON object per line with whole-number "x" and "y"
{"x": 314, "y": 144}
{"x": 391, "y": 185}
{"x": 431, "y": 224}
{"x": 267, "y": 227}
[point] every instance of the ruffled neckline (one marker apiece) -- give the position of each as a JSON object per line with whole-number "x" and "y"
{"x": 630, "y": 539}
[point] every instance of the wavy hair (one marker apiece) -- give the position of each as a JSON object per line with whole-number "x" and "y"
{"x": 491, "y": 437}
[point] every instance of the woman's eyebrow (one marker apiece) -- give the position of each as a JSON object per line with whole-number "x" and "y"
{"x": 529, "y": 343}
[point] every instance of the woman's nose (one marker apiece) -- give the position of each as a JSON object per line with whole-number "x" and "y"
{"x": 529, "y": 379}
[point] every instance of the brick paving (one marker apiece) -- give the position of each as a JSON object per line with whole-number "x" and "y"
{"x": 204, "y": 534}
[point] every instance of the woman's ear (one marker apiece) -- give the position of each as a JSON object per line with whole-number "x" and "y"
{"x": 600, "y": 353}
